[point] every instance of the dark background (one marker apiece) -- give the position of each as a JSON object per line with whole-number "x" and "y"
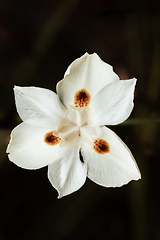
{"x": 38, "y": 40}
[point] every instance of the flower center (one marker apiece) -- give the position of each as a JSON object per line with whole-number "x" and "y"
{"x": 78, "y": 127}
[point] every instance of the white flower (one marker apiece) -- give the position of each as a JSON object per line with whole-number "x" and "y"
{"x": 60, "y": 129}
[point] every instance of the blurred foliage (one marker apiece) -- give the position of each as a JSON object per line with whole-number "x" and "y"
{"x": 38, "y": 40}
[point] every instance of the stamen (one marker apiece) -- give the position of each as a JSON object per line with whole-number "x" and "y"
{"x": 82, "y": 98}
{"x": 51, "y": 139}
{"x": 101, "y": 146}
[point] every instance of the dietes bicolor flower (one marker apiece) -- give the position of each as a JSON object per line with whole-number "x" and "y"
{"x": 66, "y": 130}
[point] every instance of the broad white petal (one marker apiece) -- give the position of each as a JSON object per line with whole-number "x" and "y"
{"x": 114, "y": 103}
{"x": 112, "y": 169}
{"x": 38, "y": 106}
{"x": 67, "y": 174}
{"x": 27, "y": 148}
{"x": 88, "y": 72}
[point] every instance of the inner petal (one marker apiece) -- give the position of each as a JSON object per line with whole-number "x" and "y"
{"x": 71, "y": 139}
{"x": 101, "y": 146}
{"x": 82, "y": 98}
{"x": 66, "y": 127}
{"x": 69, "y": 133}
{"x": 89, "y": 133}
{"x": 79, "y": 116}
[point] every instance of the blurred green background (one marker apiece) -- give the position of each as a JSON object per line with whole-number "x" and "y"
{"x": 38, "y": 40}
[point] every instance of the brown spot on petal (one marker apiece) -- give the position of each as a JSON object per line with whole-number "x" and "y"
{"x": 101, "y": 146}
{"x": 82, "y": 98}
{"x": 51, "y": 139}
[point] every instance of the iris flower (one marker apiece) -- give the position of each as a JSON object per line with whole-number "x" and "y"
{"x": 66, "y": 130}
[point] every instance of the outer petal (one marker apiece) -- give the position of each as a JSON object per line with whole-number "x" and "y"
{"x": 38, "y": 106}
{"x": 27, "y": 148}
{"x": 67, "y": 174}
{"x": 114, "y": 103}
{"x": 88, "y": 72}
{"x": 112, "y": 169}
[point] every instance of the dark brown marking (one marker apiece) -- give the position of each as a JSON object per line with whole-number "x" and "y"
{"x": 51, "y": 139}
{"x": 82, "y": 98}
{"x": 101, "y": 146}
{"x": 80, "y": 156}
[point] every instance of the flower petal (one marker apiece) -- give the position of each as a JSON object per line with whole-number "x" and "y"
{"x": 27, "y": 148}
{"x": 114, "y": 168}
{"x": 67, "y": 174}
{"x": 114, "y": 103}
{"x": 38, "y": 106}
{"x": 88, "y": 72}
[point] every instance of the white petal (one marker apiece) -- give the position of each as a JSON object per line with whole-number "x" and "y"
{"x": 27, "y": 148}
{"x": 112, "y": 169}
{"x": 114, "y": 103}
{"x": 87, "y": 72}
{"x": 67, "y": 174}
{"x": 38, "y": 106}
{"x": 89, "y": 133}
